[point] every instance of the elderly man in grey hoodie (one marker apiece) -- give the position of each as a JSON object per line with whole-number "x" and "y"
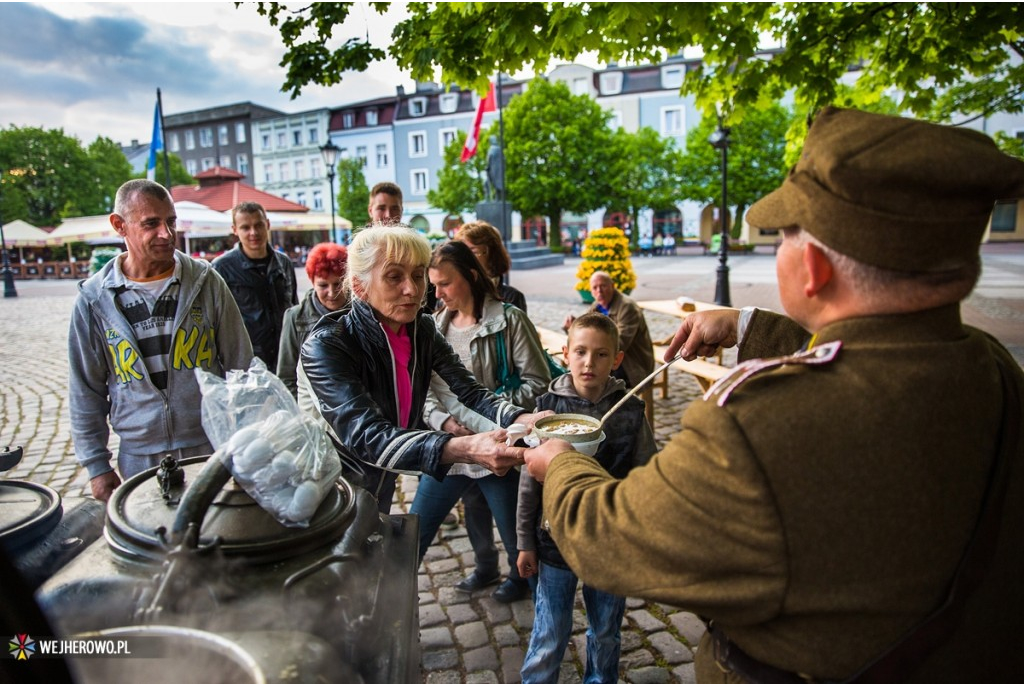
{"x": 139, "y": 329}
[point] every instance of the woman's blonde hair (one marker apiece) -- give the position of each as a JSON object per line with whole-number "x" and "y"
{"x": 373, "y": 248}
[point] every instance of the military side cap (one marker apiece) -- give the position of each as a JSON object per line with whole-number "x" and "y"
{"x": 893, "y": 192}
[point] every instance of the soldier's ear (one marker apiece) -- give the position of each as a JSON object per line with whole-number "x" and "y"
{"x": 818, "y": 268}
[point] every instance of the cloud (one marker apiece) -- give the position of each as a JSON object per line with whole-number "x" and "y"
{"x": 94, "y": 69}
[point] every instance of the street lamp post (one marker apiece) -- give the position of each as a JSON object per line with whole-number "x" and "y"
{"x": 720, "y": 141}
{"x": 330, "y": 154}
{"x": 9, "y": 289}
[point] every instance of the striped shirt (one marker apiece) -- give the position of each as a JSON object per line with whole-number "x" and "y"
{"x": 149, "y": 305}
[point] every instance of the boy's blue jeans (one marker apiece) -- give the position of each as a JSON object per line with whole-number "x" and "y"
{"x": 552, "y": 628}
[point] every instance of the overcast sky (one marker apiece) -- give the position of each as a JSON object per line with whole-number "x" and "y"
{"x": 93, "y": 68}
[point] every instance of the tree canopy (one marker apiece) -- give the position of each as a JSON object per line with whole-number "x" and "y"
{"x": 756, "y": 160}
{"x": 557, "y": 153}
{"x": 49, "y": 175}
{"x": 948, "y": 60}
{"x": 643, "y": 173}
{"x": 353, "y": 193}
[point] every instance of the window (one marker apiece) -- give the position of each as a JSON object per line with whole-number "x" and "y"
{"x": 448, "y": 102}
{"x": 382, "y": 156}
{"x": 240, "y": 132}
{"x": 242, "y": 162}
{"x": 672, "y": 121}
{"x": 611, "y": 83}
{"x": 296, "y": 138}
{"x": 173, "y": 142}
{"x": 445, "y": 137}
{"x": 300, "y": 170}
{"x": 268, "y": 173}
{"x": 222, "y": 134}
{"x": 190, "y": 140}
{"x": 580, "y": 86}
{"x": 265, "y": 141}
{"x": 418, "y": 144}
{"x": 672, "y": 77}
{"x": 419, "y": 181}
{"x": 282, "y": 169}
{"x": 207, "y": 162}
{"x": 190, "y": 166}
{"x": 282, "y": 140}
{"x": 314, "y": 168}
{"x": 286, "y": 196}
{"x": 347, "y": 120}
{"x": 318, "y": 201}
{"x": 300, "y": 197}
{"x": 361, "y": 153}
{"x": 371, "y": 117}
{"x": 206, "y": 137}
{"x": 1004, "y": 217}
{"x": 314, "y": 136}
{"x": 417, "y": 107}
{"x": 225, "y": 161}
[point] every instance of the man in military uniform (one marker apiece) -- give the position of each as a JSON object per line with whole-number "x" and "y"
{"x": 818, "y": 502}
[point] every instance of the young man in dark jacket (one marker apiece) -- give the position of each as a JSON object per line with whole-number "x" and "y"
{"x": 261, "y": 279}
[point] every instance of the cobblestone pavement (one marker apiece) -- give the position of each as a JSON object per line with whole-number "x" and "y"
{"x": 464, "y": 638}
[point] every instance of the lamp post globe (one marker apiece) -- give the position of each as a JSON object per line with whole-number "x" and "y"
{"x": 719, "y": 140}
{"x": 330, "y": 154}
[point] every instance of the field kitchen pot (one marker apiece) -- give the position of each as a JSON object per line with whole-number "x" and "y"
{"x": 187, "y": 550}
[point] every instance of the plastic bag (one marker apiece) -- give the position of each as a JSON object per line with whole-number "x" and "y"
{"x": 279, "y": 455}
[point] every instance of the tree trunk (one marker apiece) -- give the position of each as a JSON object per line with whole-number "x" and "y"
{"x": 555, "y": 229}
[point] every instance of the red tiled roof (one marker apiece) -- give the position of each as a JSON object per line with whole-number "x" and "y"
{"x": 220, "y": 189}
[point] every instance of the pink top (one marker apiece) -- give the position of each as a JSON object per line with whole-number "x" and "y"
{"x": 401, "y": 348}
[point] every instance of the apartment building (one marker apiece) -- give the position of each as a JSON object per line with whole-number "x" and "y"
{"x": 287, "y": 161}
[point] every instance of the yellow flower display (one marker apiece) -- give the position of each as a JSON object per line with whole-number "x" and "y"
{"x": 606, "y": 249}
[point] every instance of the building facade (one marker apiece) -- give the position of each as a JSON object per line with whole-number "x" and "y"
{"x": 217, "y": 136}
{"x": 287, "y": 161}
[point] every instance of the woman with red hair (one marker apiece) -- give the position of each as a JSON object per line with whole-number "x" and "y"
{"x": 326, "y": 266}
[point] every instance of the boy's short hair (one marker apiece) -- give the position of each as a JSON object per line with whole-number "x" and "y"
{"x": 598, "y": 322}
{"x": 388, "y": 188}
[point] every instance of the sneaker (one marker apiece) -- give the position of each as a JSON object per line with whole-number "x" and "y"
{"x": 474, "y": 581}
{"x": 512, "y": 591}
{"x": 451, "y": 520}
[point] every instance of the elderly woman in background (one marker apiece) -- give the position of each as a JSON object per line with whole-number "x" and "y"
{"x": 485, "y": 242}
{"x": 370, "y": 367}
{"x": 326, "y": 265}
{"x": 499, "y": 344}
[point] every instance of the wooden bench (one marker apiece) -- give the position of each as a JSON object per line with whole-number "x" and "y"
{"x": 704, "y": 371}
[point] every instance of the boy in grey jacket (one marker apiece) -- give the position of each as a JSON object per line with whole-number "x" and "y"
{"x": 138, "y": 330}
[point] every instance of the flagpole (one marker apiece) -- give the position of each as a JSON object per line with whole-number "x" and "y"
{"x": 167, "y": 159}
{"x": 506, "y": 231}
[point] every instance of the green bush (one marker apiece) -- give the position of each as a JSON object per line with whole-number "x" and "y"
{"x": 100, "y": 257}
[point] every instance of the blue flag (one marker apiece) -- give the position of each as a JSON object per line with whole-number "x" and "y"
{"x": 156, "y": 146}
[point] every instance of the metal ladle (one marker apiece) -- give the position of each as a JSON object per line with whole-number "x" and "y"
{"x": 636, "y": 387}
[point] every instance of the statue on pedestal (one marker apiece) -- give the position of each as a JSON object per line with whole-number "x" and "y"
{"x": 494, "y": 183}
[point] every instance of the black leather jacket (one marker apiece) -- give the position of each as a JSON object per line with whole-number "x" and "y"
{"x": 350, "y": 367}
{"x": 262, "y": 301}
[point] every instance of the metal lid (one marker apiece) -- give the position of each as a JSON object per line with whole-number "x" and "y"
{"x": 27, "y": 511}
{"x": 138, "y": 520}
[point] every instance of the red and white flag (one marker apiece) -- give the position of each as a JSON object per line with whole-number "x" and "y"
{"x": 473, "y": 137}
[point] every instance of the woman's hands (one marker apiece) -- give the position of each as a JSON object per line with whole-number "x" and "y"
{"x": 484, "y": 449}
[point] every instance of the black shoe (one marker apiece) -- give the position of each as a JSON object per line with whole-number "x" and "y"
{"x": 475, "y": 582}
{"x": 512, "y": 591}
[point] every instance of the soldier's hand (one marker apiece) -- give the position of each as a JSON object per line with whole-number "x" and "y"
{"x": 539, "y": 458}
{"x": 103, "y": 485}
{"x": 702, "y": 333}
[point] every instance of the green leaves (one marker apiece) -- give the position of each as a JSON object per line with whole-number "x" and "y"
{"x": 353, "y": 193}
{"x": 947, "y": 59}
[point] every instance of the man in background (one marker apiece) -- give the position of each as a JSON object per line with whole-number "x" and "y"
{"x": 261, "y": 279}
{"x": 385, "y": 203}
